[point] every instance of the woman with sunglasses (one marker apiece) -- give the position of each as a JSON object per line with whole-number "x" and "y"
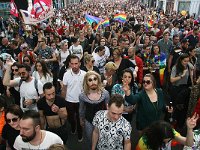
{"x": 42, "y": 73}
{"x": 127, "y": 79}
{"x": 11, "y": 129}
{"x": 14, "y": 91}
{"x": 25, "y": 51}
{"x": 28, "y": 60}
{"x": 150, "y": 102}
{"x": 63, "y": 52}
{"x": 89, "y": 63}
{"x": 160, "y": 135}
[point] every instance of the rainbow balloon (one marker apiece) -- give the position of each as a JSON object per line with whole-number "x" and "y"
{"x": 120, "y": 17}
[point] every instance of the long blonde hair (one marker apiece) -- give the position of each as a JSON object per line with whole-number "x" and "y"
{"x": 85, "y": 85}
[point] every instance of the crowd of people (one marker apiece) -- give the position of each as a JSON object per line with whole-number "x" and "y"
{"x": 65, "y": 70}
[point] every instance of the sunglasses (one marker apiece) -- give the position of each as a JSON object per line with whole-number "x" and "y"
{"x": 13, "y": 120}
{"x": 22, "y": 73}
{"x": 26, "y": 60}
{"x": 146, "y": 81}
{"x": 14, "y": 70}
{"x": 40, "y": 41}
{"x": 92, "y": 79}
{"x": 24, "y": 47}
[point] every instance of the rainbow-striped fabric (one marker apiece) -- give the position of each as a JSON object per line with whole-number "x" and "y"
{"x": 120, "y": 17}
{"x": 143, "y": 146}
{"x": 105, "y": 22}
{"x": 90, "y": 19}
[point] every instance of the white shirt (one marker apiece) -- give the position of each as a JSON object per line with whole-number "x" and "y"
{"x": 74, "y": 83}
{"x": 28, "y": 91}
{"x": 44, "y": 80}
{"x": 76, "y": 50}
{"x": 49, "y": 139}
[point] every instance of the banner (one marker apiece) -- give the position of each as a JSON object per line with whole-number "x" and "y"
{"x": 40, "y": 6}
{"x": 13, "y": 9}
{"x": 31, "y": 19}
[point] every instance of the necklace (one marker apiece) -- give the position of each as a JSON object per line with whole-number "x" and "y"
{"x": 39, "y": 142}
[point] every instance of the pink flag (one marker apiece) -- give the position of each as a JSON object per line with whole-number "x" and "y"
{"x": 13, "y": 9}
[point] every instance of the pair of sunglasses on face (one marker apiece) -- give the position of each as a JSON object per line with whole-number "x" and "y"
{"x": 92, "y": 79}
{"x": 146, "y": 82}
{"x": 13, "y": 120}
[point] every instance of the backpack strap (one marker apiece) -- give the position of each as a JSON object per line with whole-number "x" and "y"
{"x": 35, "y": 85}
{"x": 20, "y": 83}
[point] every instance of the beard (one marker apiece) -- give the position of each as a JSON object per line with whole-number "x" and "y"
{"x": 93, "y": 87}
{"x": 28, "y": 138}
{"x": 24, "y": 78}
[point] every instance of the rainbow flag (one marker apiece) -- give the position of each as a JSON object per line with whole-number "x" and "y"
{"x": 120, "y": 17}
{"x": 90, "y": 19}
{"x": 149, "y": 24}
{"x": 97, "y": 26}
{"x": 105, "y": 22}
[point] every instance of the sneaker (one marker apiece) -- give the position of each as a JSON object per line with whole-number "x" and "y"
{"x": 80, "y": 139}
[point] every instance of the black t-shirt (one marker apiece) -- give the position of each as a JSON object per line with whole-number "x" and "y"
{"x": 10, "y": 134}
{"x": 90, "y": 38}
{"x": 94, "y": 69}
{"x": 125, "y": 63}
{"x": 17, "y": 51}
{"x": 62, "y": 72}
{"x": 193, "y": 40}
{"x": 42, "y": 105}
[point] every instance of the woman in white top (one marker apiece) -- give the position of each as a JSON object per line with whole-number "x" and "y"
{"x": 42, "y": 73}
{"x": 63, "y": 53}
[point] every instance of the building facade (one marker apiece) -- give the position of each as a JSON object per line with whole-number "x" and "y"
{"x": 192, "y": 6}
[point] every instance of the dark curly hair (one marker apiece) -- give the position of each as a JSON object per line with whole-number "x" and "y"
{"x": 156, "y": 133}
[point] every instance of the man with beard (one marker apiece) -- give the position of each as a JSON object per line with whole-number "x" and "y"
{"x": 72, "y": 87}
{"x": 31, "y": 136}
{"x": 29, "y": 90}
{"x": 93, "y": 99}
{"x": 53, "y": 113}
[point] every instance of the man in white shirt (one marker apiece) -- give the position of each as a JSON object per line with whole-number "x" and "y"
{"x": 31, "y": 136}
{"x": 72, "y": 87}
{"x": 30, "y": 90}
